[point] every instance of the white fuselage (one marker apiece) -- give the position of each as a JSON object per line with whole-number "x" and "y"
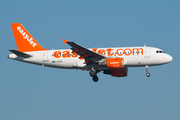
{"x": 64, "y": 58}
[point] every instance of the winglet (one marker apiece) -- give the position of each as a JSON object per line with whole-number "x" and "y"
{"x": 65, "y": 41}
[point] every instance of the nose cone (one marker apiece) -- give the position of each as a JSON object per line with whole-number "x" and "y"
{"x": 169, "y": 58}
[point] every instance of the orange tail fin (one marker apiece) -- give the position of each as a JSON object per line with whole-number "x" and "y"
{"x": 24, "y": 41}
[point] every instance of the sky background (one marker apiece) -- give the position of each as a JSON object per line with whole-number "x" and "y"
{"x": 31, "y": 92}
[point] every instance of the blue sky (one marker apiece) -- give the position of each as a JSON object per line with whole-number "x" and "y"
{"x": 31, "y": 92}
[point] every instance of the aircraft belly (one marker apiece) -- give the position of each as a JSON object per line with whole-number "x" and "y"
{"x": 64, "y": 62}
{"x": 136, "y": 61}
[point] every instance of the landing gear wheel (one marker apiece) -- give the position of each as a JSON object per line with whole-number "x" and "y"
{"x": 147, "y": 70}
{"x": 92, "y": 73}
{"x": 95, "y": 78}
{"x": 148, "y": 74}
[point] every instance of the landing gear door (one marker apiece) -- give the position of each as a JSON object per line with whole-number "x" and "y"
{"x": 146, "y": 52}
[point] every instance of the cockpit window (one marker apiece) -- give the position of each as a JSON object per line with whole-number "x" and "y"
{"x": 160, "y": 51}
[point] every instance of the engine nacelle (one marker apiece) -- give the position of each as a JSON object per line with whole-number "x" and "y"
{"x": 113, "y": 63}
{"x": 121, "y": 72}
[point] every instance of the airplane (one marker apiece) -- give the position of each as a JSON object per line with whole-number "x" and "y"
{"x": 112, "y": 61}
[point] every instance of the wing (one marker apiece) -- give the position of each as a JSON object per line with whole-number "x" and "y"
{"x": 86, "y": 54}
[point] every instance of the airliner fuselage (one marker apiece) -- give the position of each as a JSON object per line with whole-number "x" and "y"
{"x": 113, "y": 61}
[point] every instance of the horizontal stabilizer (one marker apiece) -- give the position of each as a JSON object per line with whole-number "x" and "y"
{"x": 20, "y": 54}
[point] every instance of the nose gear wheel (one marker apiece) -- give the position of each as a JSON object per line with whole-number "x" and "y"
{"x": 147, "y": 70}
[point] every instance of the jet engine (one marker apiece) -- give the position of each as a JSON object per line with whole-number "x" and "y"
{"x": 113, "y": 63}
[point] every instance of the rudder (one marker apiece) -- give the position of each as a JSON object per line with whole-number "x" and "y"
{"x": 24, "y": 41}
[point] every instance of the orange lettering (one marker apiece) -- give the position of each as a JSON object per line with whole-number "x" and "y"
{"x": 109, "y": 52}
{"x": 128, "y": 53}
{"x": 117, "y": 52}
{"x": 57, "y": 54}
{"x": 94, "y": 49}
{"x": 102, "y": 52}
{"x": 81, "y": 58}
{"x": 66, "y": 54}
{"x": 74, "y": 55}
{"x": 137, "y": 49}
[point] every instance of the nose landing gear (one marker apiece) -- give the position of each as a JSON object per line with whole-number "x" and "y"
{"x": 147, "y": 70}
{"x": 148, "y": 74}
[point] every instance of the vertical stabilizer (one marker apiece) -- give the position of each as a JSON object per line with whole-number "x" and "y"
{"x": 24, "y": 41}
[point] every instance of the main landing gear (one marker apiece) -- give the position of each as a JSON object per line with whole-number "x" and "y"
{"x": 93, "y": 74}
{"x": 147, "y": 69}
